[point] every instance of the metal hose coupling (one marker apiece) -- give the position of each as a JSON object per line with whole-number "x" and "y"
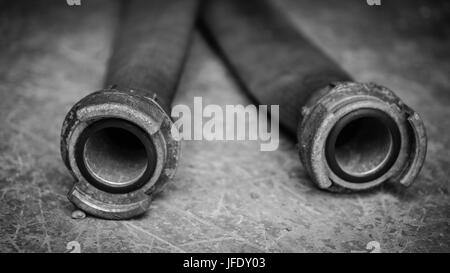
{"x": 119, "y": 146}
{"x": 119, "y": 143}
{"x": 356, "y": 136}
{"x": 352, "y": 136}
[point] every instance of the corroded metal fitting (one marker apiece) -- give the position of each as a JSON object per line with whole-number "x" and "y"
{"x": 356, "y": 136}
{"x": 120, "y": 146}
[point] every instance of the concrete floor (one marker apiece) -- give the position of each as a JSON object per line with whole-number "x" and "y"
{"x": 227, "y": 196}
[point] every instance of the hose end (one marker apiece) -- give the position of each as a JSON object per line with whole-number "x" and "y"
{"x": 355, "y": 136}
{"x": 121, "y": 148}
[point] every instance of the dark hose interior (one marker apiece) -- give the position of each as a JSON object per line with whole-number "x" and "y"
{"x": 116, "y": 155}
{"x": 363, "y": 145}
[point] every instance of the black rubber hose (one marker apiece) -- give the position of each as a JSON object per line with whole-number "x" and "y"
{"x": 278, "y": 65}
{"x": 150, "y": 47}
{"x": 119, "y": 142}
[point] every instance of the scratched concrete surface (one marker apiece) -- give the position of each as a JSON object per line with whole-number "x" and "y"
{"x": 227, "y": 196}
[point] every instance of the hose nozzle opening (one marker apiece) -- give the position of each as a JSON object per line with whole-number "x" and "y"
{"x": 115, "y": 155}
{"x": 363, "y": 145}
